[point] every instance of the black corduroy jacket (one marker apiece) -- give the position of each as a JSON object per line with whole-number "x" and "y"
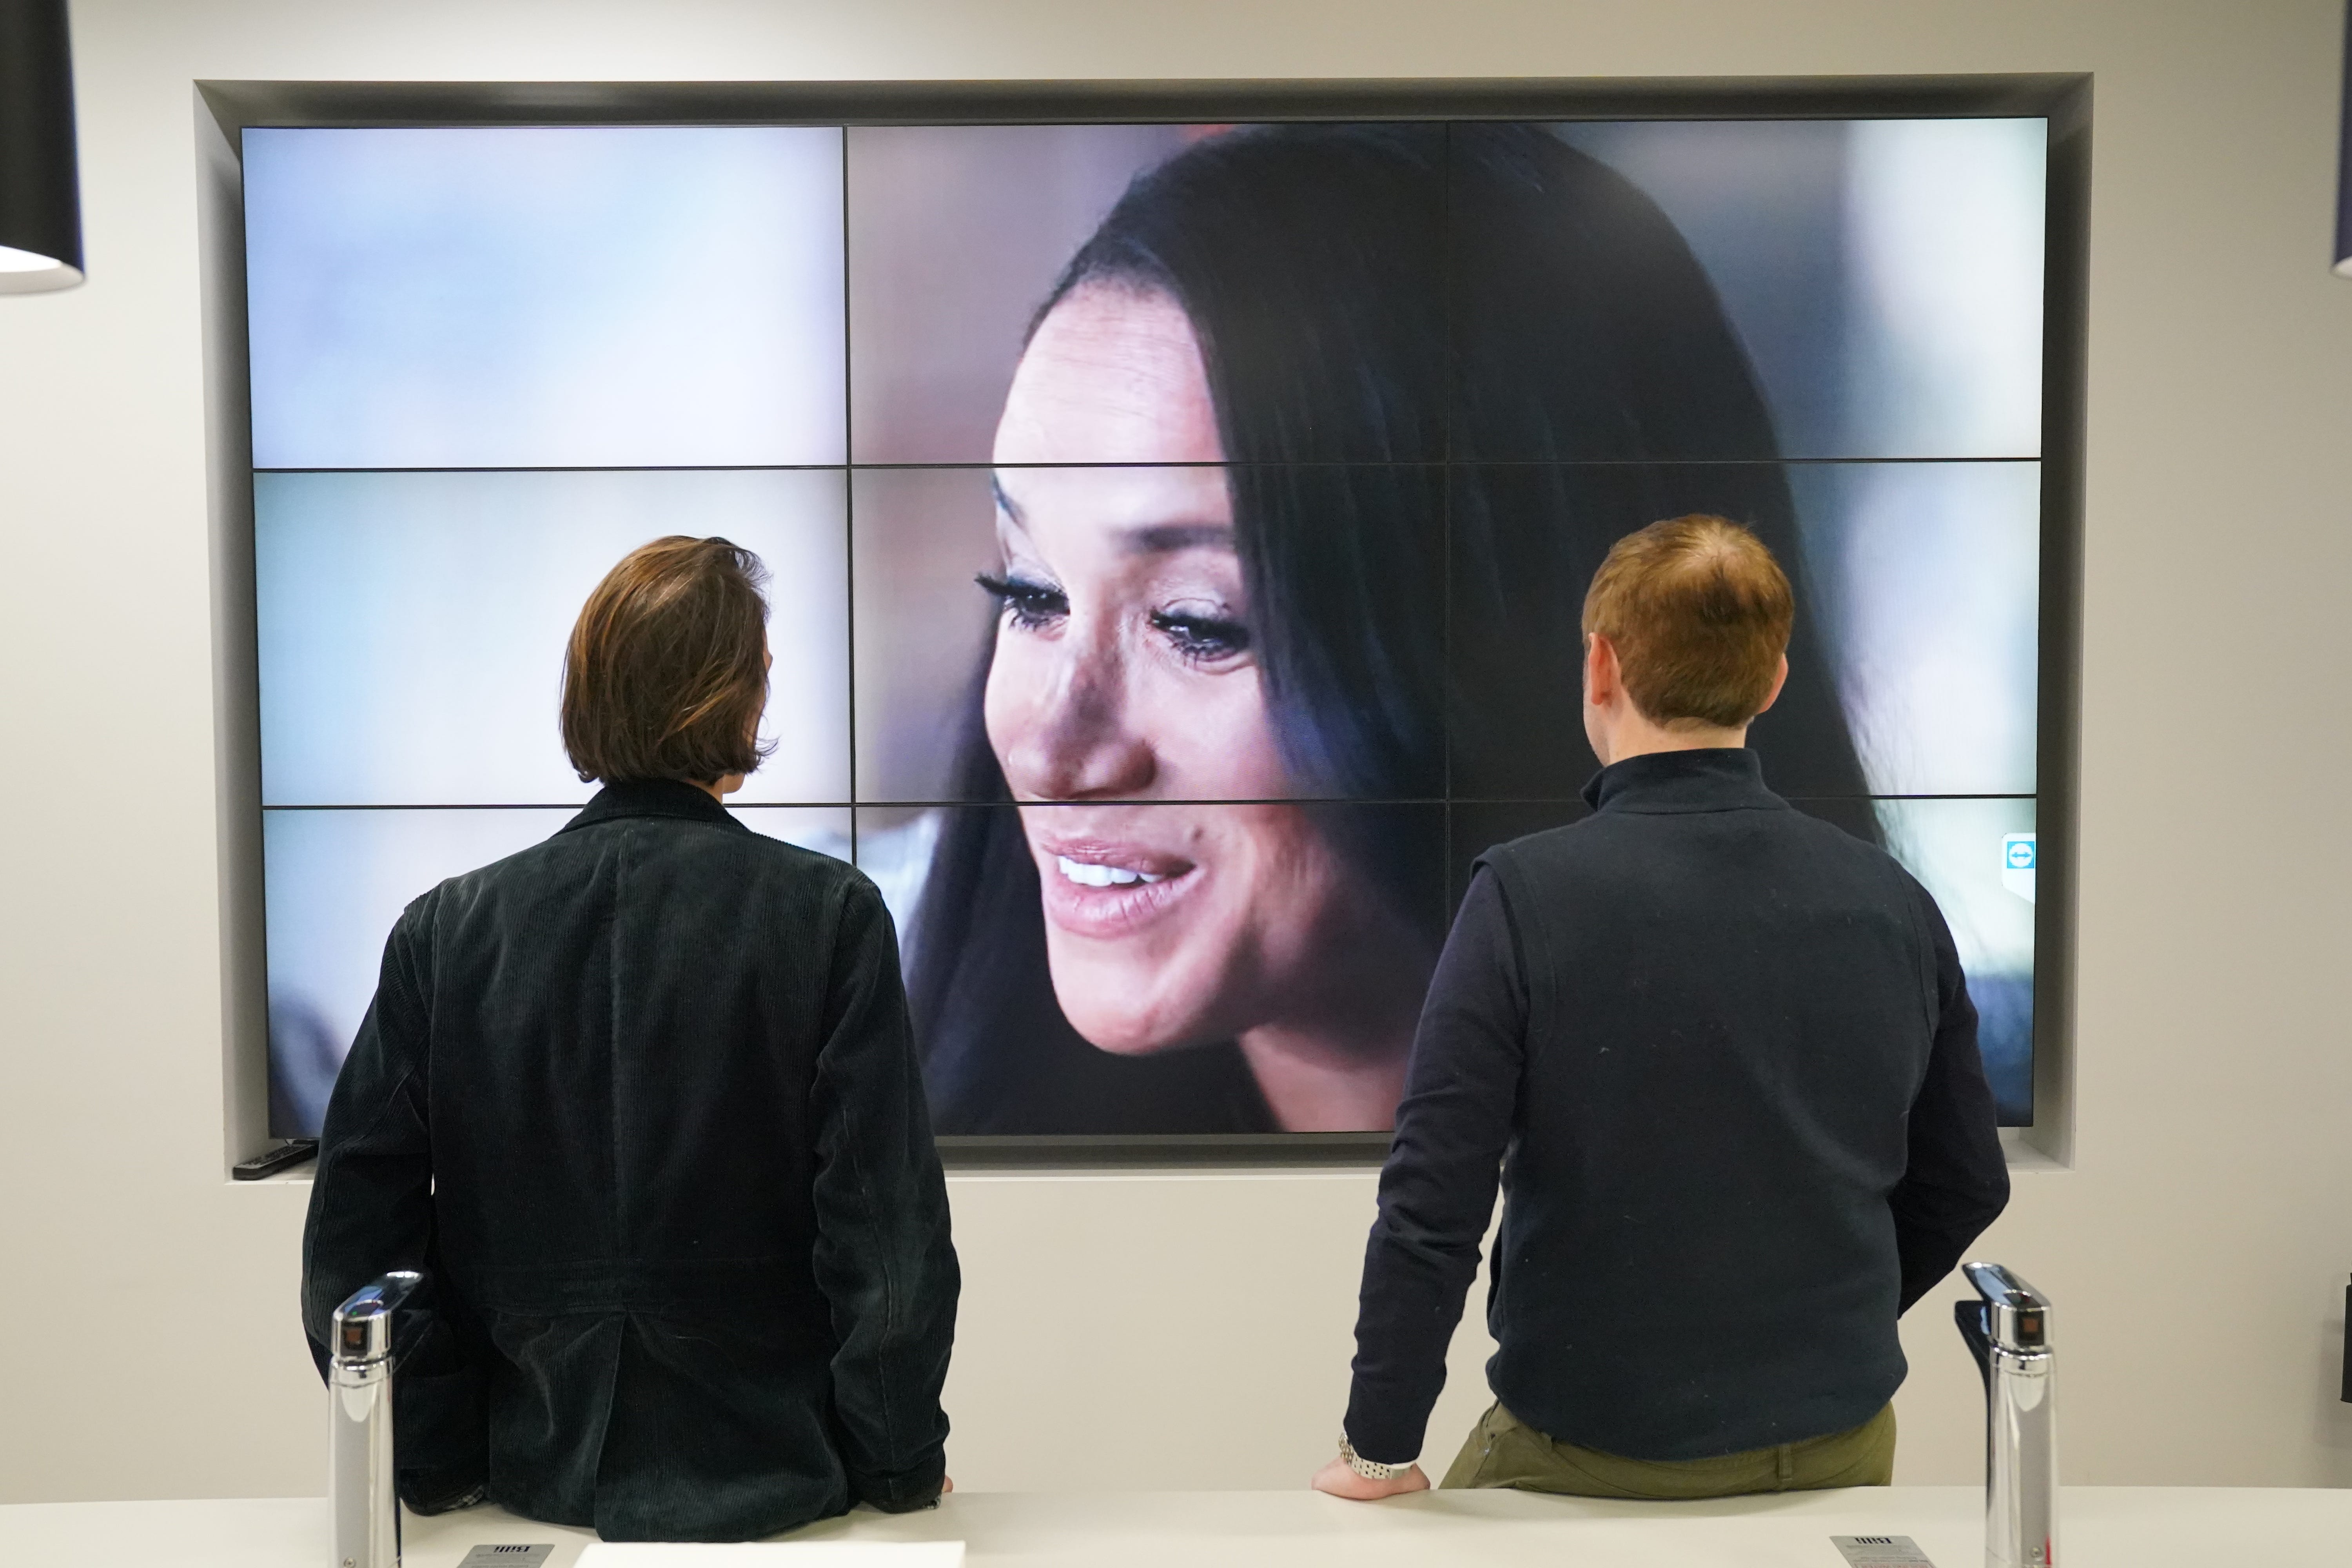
{"x": 643, "y": 1104}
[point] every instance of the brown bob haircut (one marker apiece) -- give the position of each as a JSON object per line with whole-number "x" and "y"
{"x": 1699, "y": 614}
{"x": 667, "y": 668}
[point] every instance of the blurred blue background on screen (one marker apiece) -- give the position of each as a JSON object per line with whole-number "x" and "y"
{"x": 1915, "y": 332}
{"x": 412, "y": 625}
{"x": 1959, "y": 850}
{"x": 509, "y": 298}
{"x": 1927, "y": 578}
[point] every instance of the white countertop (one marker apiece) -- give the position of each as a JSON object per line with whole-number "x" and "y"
{"x": 2102, "y": 1527}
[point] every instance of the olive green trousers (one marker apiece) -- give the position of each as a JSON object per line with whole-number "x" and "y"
{"x": 1504, "y": 1451}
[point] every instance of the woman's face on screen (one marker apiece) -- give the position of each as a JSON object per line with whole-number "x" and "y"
{"x": 1125, "y": 693}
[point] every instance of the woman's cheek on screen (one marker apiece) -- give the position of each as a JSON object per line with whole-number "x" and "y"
{"x": 1211, "y": 734}
{"x": 1191, "y": 914}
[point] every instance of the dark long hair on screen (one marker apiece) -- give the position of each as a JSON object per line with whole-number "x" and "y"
{"x": 1452, "y": 365}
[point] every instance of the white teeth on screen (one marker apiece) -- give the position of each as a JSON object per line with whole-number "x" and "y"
{"x": 1091, "y": 875}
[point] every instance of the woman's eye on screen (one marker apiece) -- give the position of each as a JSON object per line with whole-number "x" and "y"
{"x": 1030, "y": 605}
{"x": 1202, "y": 638}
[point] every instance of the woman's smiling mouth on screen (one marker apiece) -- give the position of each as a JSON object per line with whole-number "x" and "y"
{"x": 1092, "y": 876}
{"x": 1097, "y": 888}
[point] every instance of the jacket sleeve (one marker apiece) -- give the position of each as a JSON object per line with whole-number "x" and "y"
{"x": 1956, "y": 1180}
{"x": 1437, "y": 1189}
{"x": 884, "y": 1258}
{"x": 372, "y": 1212}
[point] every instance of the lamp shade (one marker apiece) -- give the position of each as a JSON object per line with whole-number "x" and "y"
{"x": 41, "y": 204}
{"x": 2344, "y": 166}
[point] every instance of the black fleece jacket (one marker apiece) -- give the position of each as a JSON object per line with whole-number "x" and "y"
{"x": 1722, "y": 1056}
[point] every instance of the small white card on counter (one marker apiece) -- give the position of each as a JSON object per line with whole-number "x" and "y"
{"x": 1881, "y": 1552}
{"x": 775, "y": 1554}
{"x": 508, "y": 1556}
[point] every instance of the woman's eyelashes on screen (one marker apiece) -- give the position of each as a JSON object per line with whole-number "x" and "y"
{"x": 1031, "y": 607}
{"x": 1202, "y": 634}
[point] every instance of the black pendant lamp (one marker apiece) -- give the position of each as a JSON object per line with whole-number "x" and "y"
{"x": 2344, "y": 195}
{"x": 40, "y": 202}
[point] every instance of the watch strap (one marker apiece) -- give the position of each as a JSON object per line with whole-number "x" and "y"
{"x": 1371, "y": 1470}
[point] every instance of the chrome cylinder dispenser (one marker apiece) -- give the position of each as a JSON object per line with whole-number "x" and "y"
{"x": 2008, "y": 1331}
{"x": 360, "y": 1482}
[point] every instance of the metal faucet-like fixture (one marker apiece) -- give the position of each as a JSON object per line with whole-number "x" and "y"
{"x": 359, "y": 1481}
{"x": 2008, "y": 1331}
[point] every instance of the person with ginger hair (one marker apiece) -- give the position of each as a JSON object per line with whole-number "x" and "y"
{"x": 1720, "y": 1057}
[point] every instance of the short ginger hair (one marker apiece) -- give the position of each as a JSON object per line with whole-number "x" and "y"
{"x": 667, "y": 672}
{"x": 1699, "y": 612}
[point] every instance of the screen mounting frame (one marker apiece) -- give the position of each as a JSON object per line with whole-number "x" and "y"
{"x": 225, "y": 108}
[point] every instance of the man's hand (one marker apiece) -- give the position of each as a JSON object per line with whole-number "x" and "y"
{"x": 1339, "y": 1480}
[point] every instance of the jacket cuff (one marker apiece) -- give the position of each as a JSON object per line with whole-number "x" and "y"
{"x": 903, "y": 1492}
{"x": 1383, "y": 1442}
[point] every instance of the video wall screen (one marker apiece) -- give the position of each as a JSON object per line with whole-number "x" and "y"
{"x": 1177, "y": 536}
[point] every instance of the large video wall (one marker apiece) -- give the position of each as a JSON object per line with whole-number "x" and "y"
{"x": 1176, "y": 536}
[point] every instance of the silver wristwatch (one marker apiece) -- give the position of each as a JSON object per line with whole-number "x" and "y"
{"x": 1371, "y": 1470}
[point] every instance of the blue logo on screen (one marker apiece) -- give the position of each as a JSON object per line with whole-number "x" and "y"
{"x": 2021, "y": 854}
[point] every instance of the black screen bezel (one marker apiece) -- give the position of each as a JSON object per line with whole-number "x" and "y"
{"x": 225, "y": 108}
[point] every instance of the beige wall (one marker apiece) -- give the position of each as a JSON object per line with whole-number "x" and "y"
{"x": 2197, "y": 1250}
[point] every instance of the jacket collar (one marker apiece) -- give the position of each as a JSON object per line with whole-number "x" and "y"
{"x": 1724, "y": 778}
{"x": 655, "y": 797}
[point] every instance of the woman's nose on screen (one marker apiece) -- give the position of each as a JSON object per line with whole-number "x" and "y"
{"x": 1075, "y": 742}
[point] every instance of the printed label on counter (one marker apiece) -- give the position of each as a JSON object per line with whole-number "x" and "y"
{"x": 1881, "y": 1552}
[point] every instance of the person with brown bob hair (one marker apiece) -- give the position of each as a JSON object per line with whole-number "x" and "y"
{"x": 642, "y": 1104}
{"x": 666, "y": 671}
{"x": 1729, "y": 1056}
